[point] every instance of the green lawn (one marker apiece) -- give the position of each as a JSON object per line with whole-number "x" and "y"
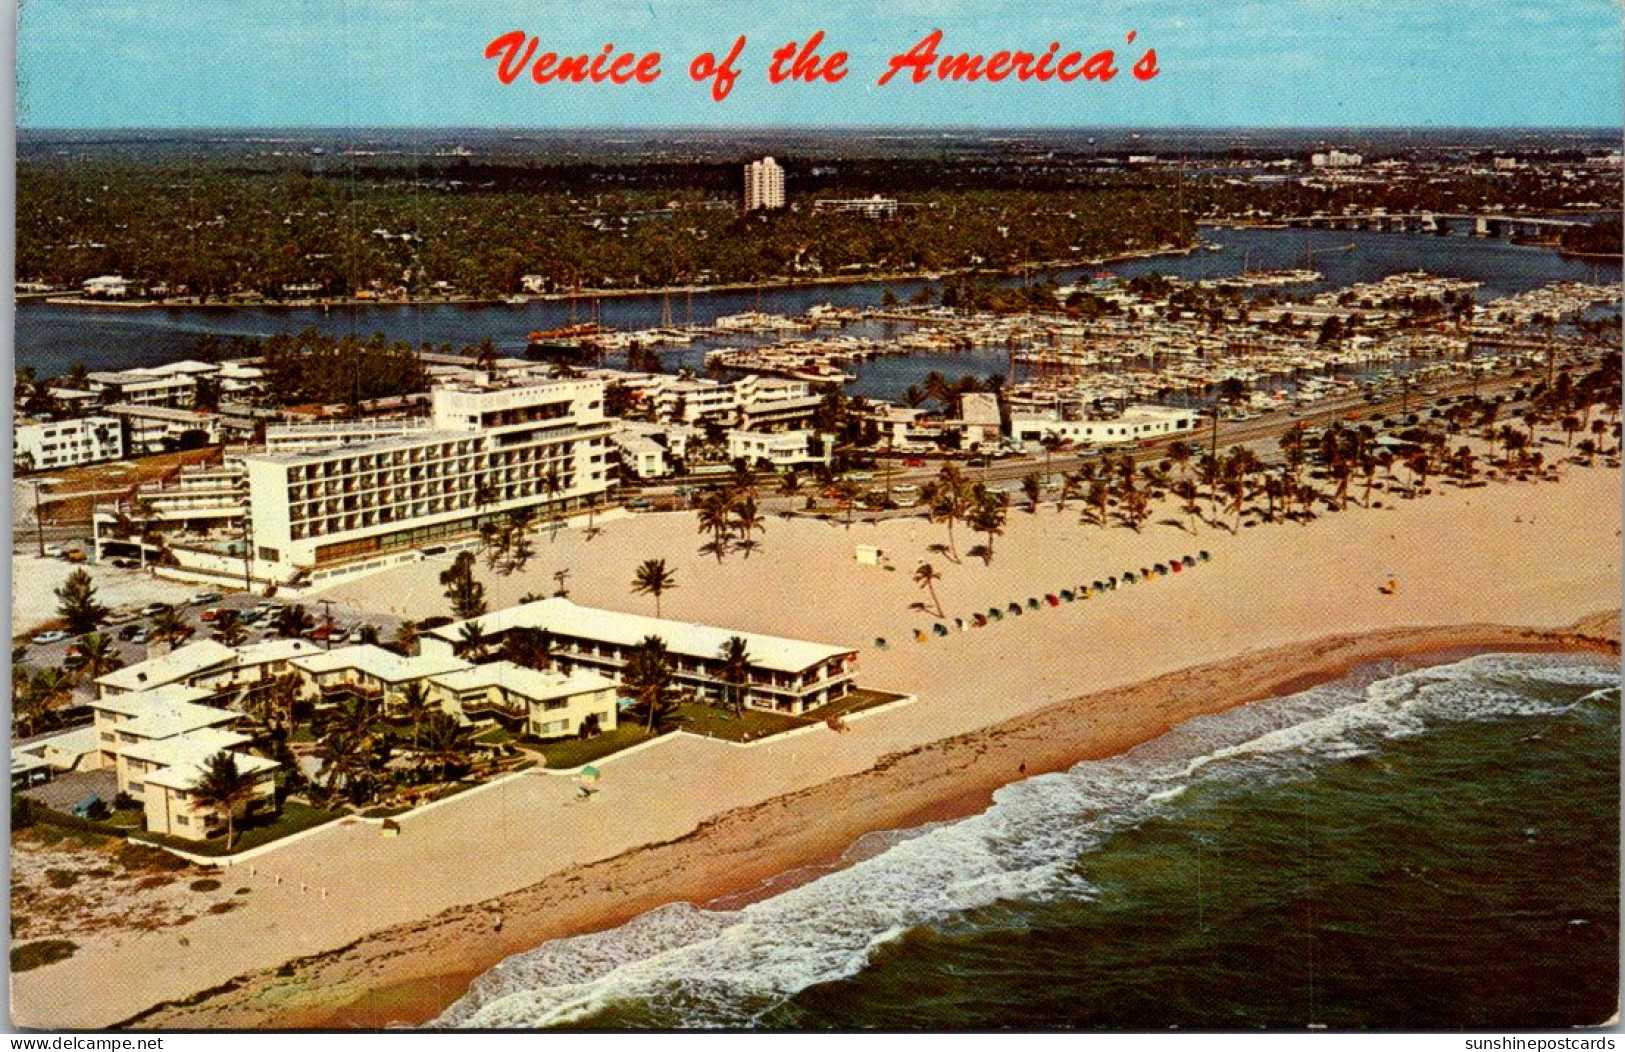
{"x": 858, "y": 700}
{"x": 575, "y": 752}
{"x": 749, "y": 725}
{"x": 295, "y": 817}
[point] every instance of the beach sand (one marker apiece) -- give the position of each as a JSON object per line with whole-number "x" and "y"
{"x": 403, "y": 925}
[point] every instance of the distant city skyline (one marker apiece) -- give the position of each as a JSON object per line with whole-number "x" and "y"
{"x": 1253, "y": 63}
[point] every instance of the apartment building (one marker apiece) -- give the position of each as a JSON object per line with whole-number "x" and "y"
{"x": 46, "y": 446}
{"x": 782, "y": 450}
{"x": 160, "y": 428}
{"x": 491, "y": 448}
{"x": 544, "y": 704}
{"x": 783, "y": 675}
{"x": 764, "y": 185}
{"x": 173, "y": 385}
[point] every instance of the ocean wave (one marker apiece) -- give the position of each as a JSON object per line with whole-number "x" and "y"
{"x": 688, "y": 966}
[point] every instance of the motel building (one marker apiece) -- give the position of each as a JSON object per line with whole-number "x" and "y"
{"x": 164, "y": 775}
{"x": 1135, "y": 424}
{"x": 784, "y": 675}
{"x": 543, "y": 704}
{"x": 160, "y": 742}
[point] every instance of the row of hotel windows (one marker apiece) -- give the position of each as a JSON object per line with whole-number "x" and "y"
{"x": 455, "y": 474}
{"x": 329, "y": 522}
{"x": 510, "y": 484}
{"x": 426, "y": 454}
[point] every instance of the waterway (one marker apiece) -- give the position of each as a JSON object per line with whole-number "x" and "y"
{"x": 51, "y": 338}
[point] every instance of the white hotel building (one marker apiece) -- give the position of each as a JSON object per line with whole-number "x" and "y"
{"x": 764, "y": 185}
{"x": 489, "y": 449}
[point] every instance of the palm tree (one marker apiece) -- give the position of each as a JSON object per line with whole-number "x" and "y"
{"x": 168, "y": 627}
{"x": 736, "y": 669}
{"x": 946, "y": 497}
{"x": 406, "y": 638}
{"x": 228, "y": 628}
{"x": 926, "y": 576}
{"x": 446, "y": 743}
{"x": 223, "y": 788}
{"x": 746, "y": 521}
{"x": 343, "y": 751}
{"x": 1032, "y": 488}
{"x": 987, "y": 517}
{"x": 648, "y": 676}
{"x": 45, "y": 691}
{"x": 1051, "y": 442}
{"x": 654, "y": 578}
{"x": 99, "y": 656}
{"x": 415, "y": 706}
{"x": 470, "y": 641}
{"x": 715, "y": 518}
{"x": 293, "y": 621}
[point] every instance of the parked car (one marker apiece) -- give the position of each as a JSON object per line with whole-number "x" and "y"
{"x": 54, "y": 551}
{"x": 129, "y": 632}
{"x": 75, "y": 555}
{"x": 209, "y": 615}
{"x": 47, "y": 638}
{"x": 153, "y": 609}
{"x": 127, "y": 564}
{"x": 142, "y": 634}
{"x": 205, "y": 597}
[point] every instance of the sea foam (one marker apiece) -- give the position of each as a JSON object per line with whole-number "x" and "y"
{"x": 687, "y": 966}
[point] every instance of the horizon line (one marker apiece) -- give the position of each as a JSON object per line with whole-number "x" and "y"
{"x": 833, "y": 128}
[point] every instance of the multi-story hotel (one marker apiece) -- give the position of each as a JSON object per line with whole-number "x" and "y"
{"x": 764, "y": 185}
{"x": 490, "y": 449}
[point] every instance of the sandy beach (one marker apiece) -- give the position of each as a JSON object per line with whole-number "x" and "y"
{"x": 393, "y": 929}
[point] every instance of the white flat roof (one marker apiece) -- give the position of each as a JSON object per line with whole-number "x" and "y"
{"x": 184, "y": 759}
{"x": 376, "y": 661}
{"x": 563, "y": 617}
{"x": 170, "y": 720}
{"x": 526, "y": 682}
{"x": 171, "y": 667}
{"x": 196, "y": 746}
{"x": 141, "y": 702}
{"x": 270, "y": 650}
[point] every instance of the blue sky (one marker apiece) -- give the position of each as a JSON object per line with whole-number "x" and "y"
{"x": 246, "y": 63}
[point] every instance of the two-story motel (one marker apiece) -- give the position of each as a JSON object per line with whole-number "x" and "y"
{"x": 783, "y": 675}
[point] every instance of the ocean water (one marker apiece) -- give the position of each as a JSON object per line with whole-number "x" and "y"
{"x": 1433, "y": 848}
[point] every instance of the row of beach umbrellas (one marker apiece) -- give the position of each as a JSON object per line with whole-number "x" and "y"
{"x": 1018, "y": 608}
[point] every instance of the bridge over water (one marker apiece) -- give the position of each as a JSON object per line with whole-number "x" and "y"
{"x": 1439, "y": 223}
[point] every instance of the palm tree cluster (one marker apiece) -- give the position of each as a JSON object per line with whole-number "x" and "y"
{"x": 506, "y": 541}
{"x": 731, "y": 517}
{"x": 952, "y": 498}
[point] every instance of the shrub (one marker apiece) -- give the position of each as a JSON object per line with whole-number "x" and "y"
{"x": 206, "y": 884}
{"x": 138, "y": 856}
{"x": 38, "y": 954}
{"x": 22, "y": 812}
{"x": 61, "y": 878}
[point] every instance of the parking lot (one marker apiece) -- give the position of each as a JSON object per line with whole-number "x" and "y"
{"x": 129, "y": 627}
